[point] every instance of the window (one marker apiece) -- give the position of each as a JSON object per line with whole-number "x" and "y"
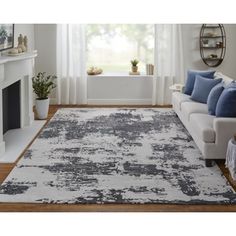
{"x": 111, "y": 47}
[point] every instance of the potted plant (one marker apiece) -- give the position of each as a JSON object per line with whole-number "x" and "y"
{"x": 134, "y": 64}
{"x": 42, "y": 86}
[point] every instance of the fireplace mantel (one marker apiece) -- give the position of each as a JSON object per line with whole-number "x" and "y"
{"x": 13, "y": 69}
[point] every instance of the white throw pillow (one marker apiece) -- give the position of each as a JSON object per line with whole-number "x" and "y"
{"x": 227, "y": 80}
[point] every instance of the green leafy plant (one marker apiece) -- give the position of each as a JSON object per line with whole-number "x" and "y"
{"x": 43, "y": 85}
{"x": 134, "y": 62}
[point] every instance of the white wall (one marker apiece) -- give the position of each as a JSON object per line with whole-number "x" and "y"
{"x": 25, "y": 29}
{"x": 115, "y": 90}
{"x": 45, "y": 43}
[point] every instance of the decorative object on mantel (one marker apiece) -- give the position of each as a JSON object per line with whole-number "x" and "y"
{"x": 21, "y": 48}
{"x": 212, "y": 39}
{"x": 134, "y": 67}
{"x": 149, "y": 69}
{"x": 94, "y": 71}
{"x": 42, "y": 86}
{"x": 230, "y": 162}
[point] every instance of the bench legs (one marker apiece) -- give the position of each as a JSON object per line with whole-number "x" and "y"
{"x": 208, "y": 162}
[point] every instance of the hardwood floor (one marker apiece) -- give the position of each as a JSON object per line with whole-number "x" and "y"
{"x": 5, "y": 169}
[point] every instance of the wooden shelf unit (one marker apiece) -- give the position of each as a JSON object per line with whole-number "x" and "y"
{"x": 210, "y": 36}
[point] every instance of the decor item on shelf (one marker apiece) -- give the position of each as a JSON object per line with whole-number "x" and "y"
{"x": 6, "y": 36}
{"x": 134, "y": 64}
{"x": 42, "y": 86}
{"x": 205, "y": 42}
{"x": 212, "y": 56}
{"x": 212, "y": 38}
{"x": 219, "y": 44}
{"x": 149, "y": 69}
{"x": 94, "y": 71}
{"x": 209, "y": 34}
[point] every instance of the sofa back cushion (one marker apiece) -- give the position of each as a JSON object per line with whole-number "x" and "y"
{"x": 213, "y": 98}
{"x": 226, "y": 105}
{"x": 191, "y": 76}
{"x": 202, "y": 88}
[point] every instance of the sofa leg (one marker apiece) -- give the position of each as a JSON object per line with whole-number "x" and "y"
{"x": 208, "y": 163}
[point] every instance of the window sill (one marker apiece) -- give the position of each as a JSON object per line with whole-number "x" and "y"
{"x": 141, "y": 76}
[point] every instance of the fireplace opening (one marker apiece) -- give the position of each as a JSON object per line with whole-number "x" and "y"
{"x": 11, "y": 107}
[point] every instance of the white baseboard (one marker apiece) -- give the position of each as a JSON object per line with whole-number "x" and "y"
{"x": 119, "y": 101}
{"x": 53, "y": 101}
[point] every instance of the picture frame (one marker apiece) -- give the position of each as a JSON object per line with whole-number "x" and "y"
{"x": 6, "y": 36}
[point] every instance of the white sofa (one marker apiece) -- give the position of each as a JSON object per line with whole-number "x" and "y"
{"x": 210, "y": 133}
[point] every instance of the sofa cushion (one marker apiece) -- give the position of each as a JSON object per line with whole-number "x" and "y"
{"x": 202, "y": 124}
{"x": 191, "y": 74}
{"x": 189, "y": 108}
{"x": 202, "y": 88}
{"x": 226, "y": 106}
{"x": 213, "y": 98}
{"x": 178, "y": 98}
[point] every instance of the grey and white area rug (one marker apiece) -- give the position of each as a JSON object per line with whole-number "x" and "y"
{"x": 115, "y": 156}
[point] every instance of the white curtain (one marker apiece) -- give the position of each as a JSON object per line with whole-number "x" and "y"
{"x": 168, "y": 62}
{"x": 71, "y": 64}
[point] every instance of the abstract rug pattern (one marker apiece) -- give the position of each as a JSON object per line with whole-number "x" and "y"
{"x": 115, "y": 156}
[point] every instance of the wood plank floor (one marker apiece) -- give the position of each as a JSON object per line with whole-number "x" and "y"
{"x": 5, "y": 169}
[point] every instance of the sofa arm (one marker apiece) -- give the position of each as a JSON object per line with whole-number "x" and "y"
{"x": 225, "y": 129}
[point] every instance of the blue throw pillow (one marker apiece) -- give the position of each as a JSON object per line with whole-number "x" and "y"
{"x": 213, "y": 98}
{"x": 202, "y": 88}
{"x": 226, "y": 106}
{"x": 191, "y": 75}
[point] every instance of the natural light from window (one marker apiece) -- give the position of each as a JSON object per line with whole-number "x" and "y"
{"x": 112, "y": 46}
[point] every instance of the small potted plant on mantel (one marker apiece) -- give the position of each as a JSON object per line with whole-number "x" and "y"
{"x": 134, "y": 68}
{"x": 42, "y": 86}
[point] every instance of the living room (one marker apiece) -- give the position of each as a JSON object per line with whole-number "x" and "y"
{"x": 117, "y": 115}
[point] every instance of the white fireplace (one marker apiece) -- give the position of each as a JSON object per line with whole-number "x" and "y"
{"x": 13, "y": 69}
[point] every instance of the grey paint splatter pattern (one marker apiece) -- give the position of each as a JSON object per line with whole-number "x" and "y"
{"x": 115, "y": 156}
